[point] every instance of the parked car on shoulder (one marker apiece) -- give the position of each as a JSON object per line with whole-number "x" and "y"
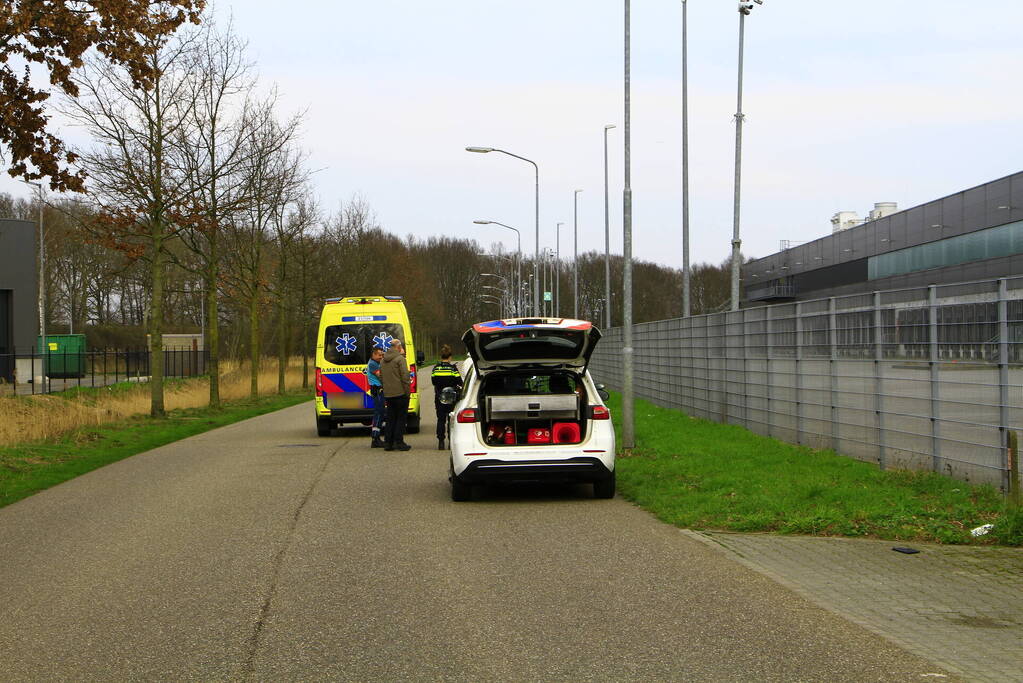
{"x": 529, "y": 410}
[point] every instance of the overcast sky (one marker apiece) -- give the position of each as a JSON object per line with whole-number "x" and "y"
{"x": 847, "y": 104}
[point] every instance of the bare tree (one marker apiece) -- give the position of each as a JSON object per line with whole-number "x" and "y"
{"x": 288, "y": 230}
{"x": 135, "y": 170}
{"x": 214, "y": 150}
{"x": 271, "y": 172}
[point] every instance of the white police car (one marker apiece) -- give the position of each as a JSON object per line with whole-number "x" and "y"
{"x": 529, "y": 410}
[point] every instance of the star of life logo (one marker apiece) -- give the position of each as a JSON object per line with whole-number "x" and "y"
{"x": 346, "y": 344}
{"x": 382, "y": 341}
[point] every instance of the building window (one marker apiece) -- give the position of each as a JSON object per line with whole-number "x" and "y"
{"x": 1004, "y": 240}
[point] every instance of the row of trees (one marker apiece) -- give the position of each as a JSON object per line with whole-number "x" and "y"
{"x": 286, "y": 273}
{"x": 196, "y": 207}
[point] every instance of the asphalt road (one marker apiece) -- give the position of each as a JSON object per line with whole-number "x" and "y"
{"x": 261, "y": 552}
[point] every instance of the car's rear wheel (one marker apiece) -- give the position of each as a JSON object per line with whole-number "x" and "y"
{"x": 323, "y": 426}
{"x": 460, "y": 491}
{"x": 604, "y": 488}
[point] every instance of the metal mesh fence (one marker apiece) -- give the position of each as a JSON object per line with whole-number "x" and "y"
{"x": 927, "y": 378}
{"x": 39, "y": 372}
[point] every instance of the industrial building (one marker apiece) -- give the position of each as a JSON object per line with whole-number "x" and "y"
{"x": 18, "y": 292}
{"x": 976, "y": 234}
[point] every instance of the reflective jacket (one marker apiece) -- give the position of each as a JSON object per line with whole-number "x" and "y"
{"x": 445, "y": 374}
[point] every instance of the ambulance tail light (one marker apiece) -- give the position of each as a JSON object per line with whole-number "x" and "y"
{"x": 319, "y": 382}
{"x": 466, "y": 415}
{"x": 601, "y": 413}
{"x": 414, "y": 379}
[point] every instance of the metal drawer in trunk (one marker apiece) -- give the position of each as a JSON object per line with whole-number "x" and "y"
{"x": 554, "y": 406}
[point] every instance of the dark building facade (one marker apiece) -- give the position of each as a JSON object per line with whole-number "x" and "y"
{"x": 976, "y": 234}
{"x": 18, "y": 292}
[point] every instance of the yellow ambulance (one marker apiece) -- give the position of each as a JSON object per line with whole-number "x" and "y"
{"x": 350, "y": 328}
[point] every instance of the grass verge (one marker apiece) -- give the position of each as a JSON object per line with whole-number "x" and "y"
{"x": 28, "y": 468}
{"x": 699, "y": 474}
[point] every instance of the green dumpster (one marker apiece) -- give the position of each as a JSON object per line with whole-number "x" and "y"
{"x": 65, "y": 354}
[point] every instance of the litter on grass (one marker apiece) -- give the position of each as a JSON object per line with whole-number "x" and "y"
{"x": 981, "y": 530}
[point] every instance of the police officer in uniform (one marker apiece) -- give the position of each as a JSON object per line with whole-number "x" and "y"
{"x": 445, "y": 374}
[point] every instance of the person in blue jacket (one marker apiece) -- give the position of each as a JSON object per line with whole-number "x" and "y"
{"x": 376, "y": 390}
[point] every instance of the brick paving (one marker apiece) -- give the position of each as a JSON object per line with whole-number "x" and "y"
{"x": 958, "y": 607}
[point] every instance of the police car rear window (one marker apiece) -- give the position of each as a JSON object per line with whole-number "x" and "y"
{"x": 532, "y": 344}
{"x": 352, "y": 344}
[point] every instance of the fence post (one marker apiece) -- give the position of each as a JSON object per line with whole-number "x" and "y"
{"x": 768, "y": 345}
{"x": 799, "y": 373}
{"x": 832, "y": 369}
{"x": 745, "y": 367}
{"x": 932, "y": 332}
{"x": 879, "y": 380}
{"x": 706, "y": 368}
{"x": 1010, "y": 479}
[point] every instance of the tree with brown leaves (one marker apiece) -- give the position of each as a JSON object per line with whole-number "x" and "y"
{"x": 56, "y": 36}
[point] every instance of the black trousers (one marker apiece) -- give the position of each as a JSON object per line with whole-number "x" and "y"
{"x": 397, "y": 413}
{"x": 443, "y": 410}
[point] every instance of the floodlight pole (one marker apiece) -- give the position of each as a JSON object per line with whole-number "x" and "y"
{"x": 628, "y": 422}
{"x": 745, "y": 7}
{"x": 685, "y": 170}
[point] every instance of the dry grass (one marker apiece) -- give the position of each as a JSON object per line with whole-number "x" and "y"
{"x": 43, "y": 417}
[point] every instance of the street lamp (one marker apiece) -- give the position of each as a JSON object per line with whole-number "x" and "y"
{"x": 518, "y": 264}
{"x": 575, "y": 254}
{"x": 487, "y": 298}
{"x": 557, "y": 277}
{"x": 536, "y": 253}
{"x": 745, "y": 7}
{"x": 549, "y": 307}
{"x": 607, "y": 237}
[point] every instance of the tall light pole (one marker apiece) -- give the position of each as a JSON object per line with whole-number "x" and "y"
{"x": 550, "y": 281}
{"x": 628, "y": 421}
{"x": 544, "y": 263}
{"x": 745, "y": 7}
{"x": 685, "y": 169}
{"x": 557, "y": 272}
{"x": 536, "y": 249}
{"x": 575, "y": 254}
{"x": 518, "y": 263}
{"x": 42, "y": 286}
{"x": 607, "y": 240}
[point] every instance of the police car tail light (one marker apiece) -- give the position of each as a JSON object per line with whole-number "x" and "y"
{"x": 414, "y": 379}
{"x": 466, "y": 415}
{"x": 601, "y": 413}
{"x": 319, "y": 382}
